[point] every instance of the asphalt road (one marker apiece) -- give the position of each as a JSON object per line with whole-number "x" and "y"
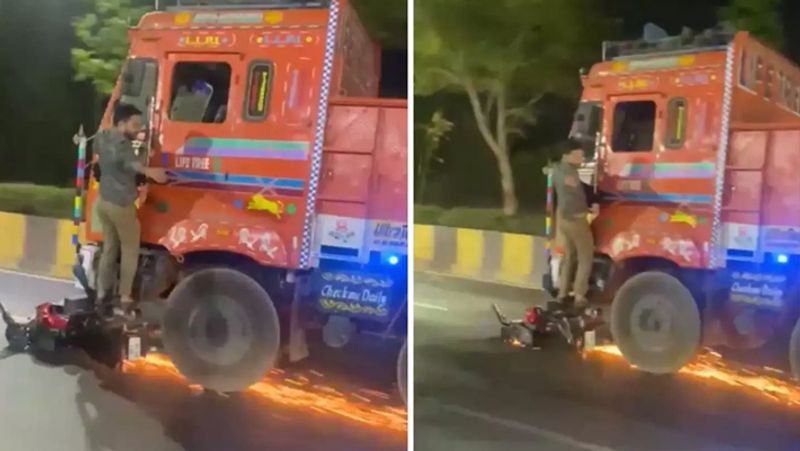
{"x": 474, "y": 392}
{"x": 73, "y": 404}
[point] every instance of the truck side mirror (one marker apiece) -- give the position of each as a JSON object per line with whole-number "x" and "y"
{"x": 587, "y": 122}
{"x": 133, "y": 77}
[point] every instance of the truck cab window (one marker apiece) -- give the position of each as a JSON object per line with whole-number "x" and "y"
{"x": 200, "y": 92}
{"x": 634, "y": 126}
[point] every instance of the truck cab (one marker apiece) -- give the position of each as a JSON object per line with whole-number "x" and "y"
{"x": 286, "y": 170}
{"x": 687, "y": 139}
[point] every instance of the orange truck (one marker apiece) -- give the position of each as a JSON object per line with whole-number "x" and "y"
{"x": 286, "y": 211}
{"x": 693, "y": 144}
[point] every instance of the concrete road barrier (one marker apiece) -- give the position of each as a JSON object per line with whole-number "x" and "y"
{"x": 43, "y": 246}
{"x": 496, "y": 257}
{"x": 36, "y": 245}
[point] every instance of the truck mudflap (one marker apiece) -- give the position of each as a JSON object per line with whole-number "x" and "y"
{"x": 577, "y": 328}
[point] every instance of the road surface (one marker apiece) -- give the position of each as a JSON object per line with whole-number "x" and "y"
{"x": 75, "y": 405}
{"x": 475, "y": 393}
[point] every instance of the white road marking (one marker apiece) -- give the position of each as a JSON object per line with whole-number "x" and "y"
{"x": 36, "y": 276}
{"x": 545, "y": 433}
{"x": 430, "y": 306}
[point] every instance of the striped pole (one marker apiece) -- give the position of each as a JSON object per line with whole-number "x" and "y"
{"x": 77, "y": 212}
{"x": 548, "y": 221}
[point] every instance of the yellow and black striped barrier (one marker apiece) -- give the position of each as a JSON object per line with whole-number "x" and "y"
{"x": 44, "y": 246}
{"x": 482, "y": 255}
{"x": 37, "y": 245}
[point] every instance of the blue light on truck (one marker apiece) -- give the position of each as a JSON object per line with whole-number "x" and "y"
{"x": 782, "y": 258}
{"x": 393, "y": 260}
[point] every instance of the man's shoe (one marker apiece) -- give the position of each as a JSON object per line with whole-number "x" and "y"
{"x": 124, "y": 309}
{"x": 580, "y": 305}
{"x": 105, "y": 308}
{"x": 560, "y": 304}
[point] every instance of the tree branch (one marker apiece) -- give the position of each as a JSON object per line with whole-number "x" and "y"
{"x": 502, "y": 137}
{"x": 450, "y": 76}
{"x": 487, "y": 111}
{"x": 480, "y": 118}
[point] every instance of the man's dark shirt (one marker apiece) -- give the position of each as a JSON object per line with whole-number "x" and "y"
{"x": 119, "y": 167}
{"x": 572, "y": 200}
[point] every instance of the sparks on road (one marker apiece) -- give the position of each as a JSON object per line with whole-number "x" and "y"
{"x": 767, "y": 382}
{"x": 297, "y": 391}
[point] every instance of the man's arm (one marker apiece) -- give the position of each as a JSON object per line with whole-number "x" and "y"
{"x": 591, "y": 196}
{"x": 132, "y": 163}
{"x": 128, "y": 159}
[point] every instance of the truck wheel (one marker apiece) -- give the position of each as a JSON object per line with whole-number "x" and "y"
{"x": 655, "y": 323}
{"x": 221, "y": 329}
{"x": 402, "y": 372}
{"x": 794, "y": 351}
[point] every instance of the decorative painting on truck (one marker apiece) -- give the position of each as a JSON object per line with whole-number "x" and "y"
{"x": 340, "y": 232}
{"x": 388, "y": 236}
{"x": 742, "y": 237}
{"x": 758, "y": 288}
{"x": 762, "y": 71}
{"x": 261, "y": 4}
{"x": 370, "y": 296}
{"x": 781, "y": 239}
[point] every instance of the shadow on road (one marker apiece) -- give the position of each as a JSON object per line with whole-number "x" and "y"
{"x": 599, "y": 398}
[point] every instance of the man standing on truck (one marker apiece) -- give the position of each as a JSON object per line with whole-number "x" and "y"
{"x": 572, "y": 227}
{"x": 116, "y": 209}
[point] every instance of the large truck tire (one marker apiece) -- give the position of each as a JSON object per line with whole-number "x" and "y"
{"x": 221, "y": 329}
{"x": 656, "y": 323}
{"x": 402, "y": 372}
{"x": 794, "y": 351}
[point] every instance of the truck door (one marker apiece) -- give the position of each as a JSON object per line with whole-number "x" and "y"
{"x": 235, "y": 126}
{"x": 198, "y": 91}
{"x": 652, "y": 151}
{"x": 653, "y": 157}
{"x": 631, "y": 140}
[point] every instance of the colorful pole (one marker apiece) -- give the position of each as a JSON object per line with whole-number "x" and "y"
{"x": 548, "y": 221}
{"x": 77, "y": 212}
